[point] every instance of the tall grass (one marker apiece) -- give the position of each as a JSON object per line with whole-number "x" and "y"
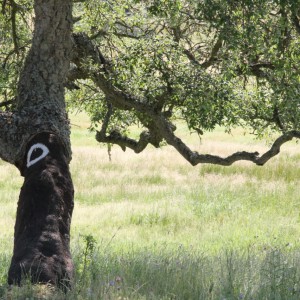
{"x": 154, "y": 273}
{"x": 150, "y": 226}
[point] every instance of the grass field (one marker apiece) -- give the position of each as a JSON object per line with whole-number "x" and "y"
{"x": 150, "y": 226}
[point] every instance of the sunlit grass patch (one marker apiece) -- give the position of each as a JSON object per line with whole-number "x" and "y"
{"x": 277, "y": 170}
{"x": 215, "y": 204}
{"x": 163, "y": 229}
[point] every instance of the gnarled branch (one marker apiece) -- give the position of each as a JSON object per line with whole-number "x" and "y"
{"x": 124, "y": 142}
{"x": 115, "y": 137}
{"x": 195, "y": 158}
{"x": 125, "y": 101}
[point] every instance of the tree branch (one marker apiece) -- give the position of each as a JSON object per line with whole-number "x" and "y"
{"x": 115, "y": 137}
{"x": 6, "y": 103}
{"x": 12, "y": 52}
{"x": 296, "y": 22}
{"x": 3, "y": 6}
{"x": 213, "y": 55}
{"x": 14, "y": 27}
{"x": 256, "y": 69}
{"x": 125, "y": 101}
{"x": 195, "y": 158}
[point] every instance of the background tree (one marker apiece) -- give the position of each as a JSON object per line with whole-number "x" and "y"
{"x": 209, "y": 63}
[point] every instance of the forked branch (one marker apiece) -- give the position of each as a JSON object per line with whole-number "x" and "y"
{"x": 124, "y": 142}
{"x": 115, "y": 137}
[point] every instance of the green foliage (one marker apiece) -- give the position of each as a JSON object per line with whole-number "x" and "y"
{"x": 208, "y": 62}
{"x": 15, "y": 35}
{"x": 89, "y": 249}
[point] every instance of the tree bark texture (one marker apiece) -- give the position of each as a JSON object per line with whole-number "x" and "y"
{"x": 42, "y": 230}
{"x": 40, "y": 101}
{"x": 36, "y": 138}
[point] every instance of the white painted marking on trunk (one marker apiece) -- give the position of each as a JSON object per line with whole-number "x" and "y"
{"x": 32, "y": 148}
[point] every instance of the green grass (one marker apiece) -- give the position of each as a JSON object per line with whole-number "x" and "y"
{"x": 150, "y": 226}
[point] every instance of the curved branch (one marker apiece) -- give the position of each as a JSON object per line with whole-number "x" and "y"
{"x": 3, "y": 6}
{"x": 275, "y": 149}
{"x": 195, "y": 158}
{"x": 123, "y": 100}
{"x": 115, "y": 137}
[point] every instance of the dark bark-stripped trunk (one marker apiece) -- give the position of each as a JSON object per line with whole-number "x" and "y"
{"x": 42, "y": 229}
{"x": 36, "y": 138}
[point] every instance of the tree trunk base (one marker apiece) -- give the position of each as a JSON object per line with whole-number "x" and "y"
{"x": 42, "y": 229}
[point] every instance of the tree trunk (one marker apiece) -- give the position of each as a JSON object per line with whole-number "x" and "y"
{"x": 36, "y": 138}
{"x": 42, "y": 230}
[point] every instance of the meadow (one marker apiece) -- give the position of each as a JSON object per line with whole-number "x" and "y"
{"x": 151, "y": 226}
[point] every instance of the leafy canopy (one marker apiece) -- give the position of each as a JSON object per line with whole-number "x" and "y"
{"x": 210, "y": 63}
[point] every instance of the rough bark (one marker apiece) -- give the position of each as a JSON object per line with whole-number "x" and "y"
{"x": 36, "y": 138}
{"x": 9, "y": 137}
{"x": 42, "y": 230}
{"x": 40, "y": 101}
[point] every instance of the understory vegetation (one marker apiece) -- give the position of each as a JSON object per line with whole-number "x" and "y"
{"x": 150, "y": 226}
